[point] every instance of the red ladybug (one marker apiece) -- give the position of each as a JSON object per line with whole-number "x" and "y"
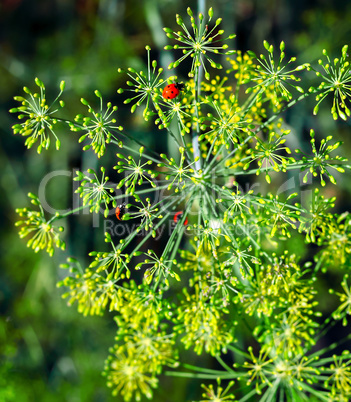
{"x": 171, "y": 91}
{"x": 178, "y": 216}
{"x": 120, "y": 211}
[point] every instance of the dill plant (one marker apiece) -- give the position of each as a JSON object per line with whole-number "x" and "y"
{"x": 241, "y": 295}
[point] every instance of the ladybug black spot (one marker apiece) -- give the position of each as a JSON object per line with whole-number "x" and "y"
{"x": 179, "y": 217}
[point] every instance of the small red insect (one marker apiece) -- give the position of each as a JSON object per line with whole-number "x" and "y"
{"x": 120, "y": 211}
{"x": 171, "y": 91}
{"x": 178, "y": 216}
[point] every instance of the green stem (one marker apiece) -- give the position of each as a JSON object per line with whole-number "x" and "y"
{"x": 297, "y": 165}
{"x": 56, "y": 217}
{"x": 289, "y": 105}
{"x": 195, "y": 134}
{"x": 328, "y": 360}
{"x": 174, "y": 241}
{"x": 329, "y": 348}
{"x": 170, "y": 132}
{"x": 70, "y": 122}
{"x": 155, "y": 228}
{"x": 214, "y": 163}
{"x": 240, "y": 352}
{"x": 224, "y": 375}
{"x": 317, "y": 393}
{"x": 250, "y": 101}
{"x": 202, "y": 369}
{"x": 182, "y": 139}
{"x": 248, "y": 395}
{"x": 201, "y": 4}
{"x": 223, "y": 364}
{"x": 136, "y": 151}
{"x": 209, "y": 153}
{"x": 137, "y": 142}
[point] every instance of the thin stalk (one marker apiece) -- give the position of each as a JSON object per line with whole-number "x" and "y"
{"x": 134, "y": 233}
{"x": 297, "y": 165}
{"x": 201, "y": 369}
{"x": 195, "y": 134}
{"x": 317, "y": 393}
{"x": 209, "y": 153}
{"x": 180, "y": 233}
{"x": 269, "y": 395}
{"x": 214, "y": 163}
{"x": 329, "y": 348}
{"x": 56, "y": 217}
{"x": 328, "y": 360}
{"x": 249, "y": 102}
{"x": 136, "y": 151}
{"x": 289, "y": 105}
{"x": 224, "y": 365}
{"x": 201, "y": 5}
{"x": 197, "y": 375}
{"x": 240, "y": 352}
{"x": 170, "y": 132}
{"x": 176, "y": 237}
{"x": 155, "y": 228}
{"x": 248, "y": 395}
{"x": 182, "y": 139}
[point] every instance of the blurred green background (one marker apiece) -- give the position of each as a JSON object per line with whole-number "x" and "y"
{"x": 48, "y": 351}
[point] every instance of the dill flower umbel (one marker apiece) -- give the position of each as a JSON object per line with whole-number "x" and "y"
{"x": 44, "y": 235}
{"x": 38, "y": 117}
{"x": 213, "y": 251}
{"x": 98, "y": 127}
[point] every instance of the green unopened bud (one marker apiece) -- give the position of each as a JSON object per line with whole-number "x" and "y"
{"x": 342, "y": 115}
{"x": 179, "y": 19}
{"x": 39, "y": 82}
{"x": 190, "y": 12}
{"x": 218, "y": 21}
